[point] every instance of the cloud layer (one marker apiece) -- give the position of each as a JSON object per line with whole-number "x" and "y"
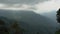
{"x": 46, "y": 6}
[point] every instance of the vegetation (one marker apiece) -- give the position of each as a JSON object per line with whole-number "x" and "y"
{"x": 17, "y": 28}
{"x": 57, "y": 32}
{"x": 5, "y": 30}
{"x": 58, "y": 16}
{"x": 58, "y": 20}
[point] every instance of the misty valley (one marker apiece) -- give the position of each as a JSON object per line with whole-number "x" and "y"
{"x": 26, "y": 22}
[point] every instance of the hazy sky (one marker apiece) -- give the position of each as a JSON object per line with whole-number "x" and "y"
{"x": 37, "y": 5}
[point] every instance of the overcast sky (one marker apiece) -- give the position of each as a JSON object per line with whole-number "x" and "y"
{"x": 37, "y": 5}
{"x": 21, "y": 1}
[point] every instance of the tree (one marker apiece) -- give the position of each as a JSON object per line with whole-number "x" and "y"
{"x": 18, "y": 29}
{"x": 58, "y": 16}
{"x": 3, "y": 29}
{"x": 58, "y": 20}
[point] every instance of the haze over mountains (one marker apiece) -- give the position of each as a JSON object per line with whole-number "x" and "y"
{"x": 31, "y": 21}
{"x": 51, "y": 14}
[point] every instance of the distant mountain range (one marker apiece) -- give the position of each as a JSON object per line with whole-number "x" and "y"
{"x": 31, "y": 21}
